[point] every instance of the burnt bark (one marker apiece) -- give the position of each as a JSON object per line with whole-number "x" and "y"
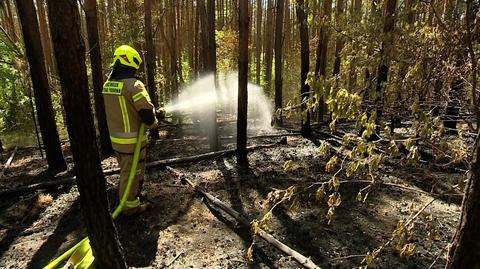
{"x": 70, "y": 53}
{"x": 243, "y": 23}
{"x": 97, "y": 76}
{"x": 41, "y": 88}
{"x": 305, "y": 65}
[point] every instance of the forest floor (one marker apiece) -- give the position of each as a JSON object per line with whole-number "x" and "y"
{"x": 182, "y": 232}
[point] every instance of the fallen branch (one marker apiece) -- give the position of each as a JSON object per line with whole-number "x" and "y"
{"x": 205, "y": 156}
{"x": 37, "y": 186}
{"x": 226, "y": 137}
{"x": 151, "y": 165}
{"x": 8, "y": 163}
{"x": 304, "y": 261}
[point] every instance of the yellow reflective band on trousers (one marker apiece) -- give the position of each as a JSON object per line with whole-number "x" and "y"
{"x": 126, "y": 121}
{"x": 82, "y": 251}
{"x": 126, "y": 141}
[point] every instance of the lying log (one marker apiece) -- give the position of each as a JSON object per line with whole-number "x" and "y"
{"x": 304, "y": 261}
{"x": 151, "y": 165}
{"x": 38, "y": 186}
{"x": 227, "y": 137}
{"x": 8, "y": 163}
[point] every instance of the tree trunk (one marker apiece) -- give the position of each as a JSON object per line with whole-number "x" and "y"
{"x": 269, "y": 32}
{"x": 258, "y": 48}
{"x": 243, "y": 26}
{"x": 339, "y": 41}
{"x": 45, "y": 35}
{"x": 41, "y": 88}
{"x": 70, "y": 53}
{"x": 278, "y": 56}
{"x": 305, "y": 65}
{"x": 150, "y": 60}
{"x": 322, "y": 48}
{"x": 173, "y": 50}
{"x": 357, "y": 17}
{"x": 384, "y": 66}
{"x": 212, "y": 68}
{"x": 97, "y": 76}
{"x": 202, "y": 14}
{"x": 465, "y": 249}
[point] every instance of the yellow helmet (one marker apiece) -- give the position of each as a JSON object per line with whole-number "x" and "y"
{"x": 127, "y": 56}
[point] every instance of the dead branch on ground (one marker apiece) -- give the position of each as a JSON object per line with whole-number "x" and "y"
{"x": 304, "y": 261}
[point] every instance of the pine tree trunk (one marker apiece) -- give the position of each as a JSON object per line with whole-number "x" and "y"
{"x": 339, "y": 41}
{"x": 41, "y": 88}
{"x": 258, "y": 48}
{"x": 70, "y": 54}
{"x": 150, "y": 60}
{"x": 173, "y": 50}
{"x": 305, "y": 64}
{"x": 97, "y": 76}
{"x": 356, "y": 17}
{"x": 243, "y": 23}
{"x": 465, "y": 249}
{"x": 322, "y": 48}
{"x": 269, "y": 32}
{"x": 278, "y": 56}
{"x": 212, "y": 68}
{"x": 384, "y": 66}
{"x": 45, "y": 36}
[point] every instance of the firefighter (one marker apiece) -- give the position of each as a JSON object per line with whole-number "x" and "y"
{"x": 127, "y": 105}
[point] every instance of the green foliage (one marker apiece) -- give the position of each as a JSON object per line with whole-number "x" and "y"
{"x": 227, "y": 50}
{"x": 14, "y": 101}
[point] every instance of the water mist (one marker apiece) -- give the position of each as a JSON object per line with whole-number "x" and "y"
{"x": 200, "y": 96}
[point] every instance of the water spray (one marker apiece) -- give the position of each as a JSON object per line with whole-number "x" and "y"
{"x": 203, "y": 97}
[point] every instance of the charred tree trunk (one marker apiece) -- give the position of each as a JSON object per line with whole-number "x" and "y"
{"x": 243, "y": 23}
{"x": 305, "y": 65}
{"x": 150, "y": 60}
{"x": 97, "y": 76}
{"x": 278, "y": 56}
{"x": 465, "y": 249}
{"x": 41, "y": 88}
{"x": 70, "y": 53}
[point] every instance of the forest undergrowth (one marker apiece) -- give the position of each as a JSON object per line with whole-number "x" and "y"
{"x": 288, "y": 190}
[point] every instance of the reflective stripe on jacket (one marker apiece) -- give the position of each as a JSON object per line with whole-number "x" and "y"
{"x": 123, "y": 99}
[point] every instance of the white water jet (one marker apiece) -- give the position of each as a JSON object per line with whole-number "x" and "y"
{"x": 200, "y": 96}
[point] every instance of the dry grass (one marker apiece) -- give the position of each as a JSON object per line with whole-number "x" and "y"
{"x": 44, "y": 200}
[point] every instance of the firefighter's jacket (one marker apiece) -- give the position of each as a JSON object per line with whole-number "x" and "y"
{"x": 123, "y": 99}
